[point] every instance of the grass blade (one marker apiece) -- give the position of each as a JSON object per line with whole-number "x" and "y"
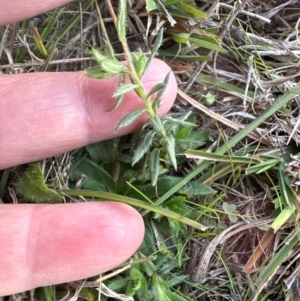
{"x": 136, "y": 203}
{"x": 279, "y": 103}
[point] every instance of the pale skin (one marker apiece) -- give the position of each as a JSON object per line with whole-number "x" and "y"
{"x": 45, "y": 114}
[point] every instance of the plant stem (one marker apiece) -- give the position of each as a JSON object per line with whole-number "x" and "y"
{"x": 133, "y": 75}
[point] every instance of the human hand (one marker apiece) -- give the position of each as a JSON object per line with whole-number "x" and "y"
{"x": 45, "y": 114}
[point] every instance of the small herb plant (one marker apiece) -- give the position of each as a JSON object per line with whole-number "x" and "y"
{"x": 136, "y": 66}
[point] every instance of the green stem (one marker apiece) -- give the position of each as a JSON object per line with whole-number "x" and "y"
{"x": 49, "y": 293}
{"x": 133, "y": 75}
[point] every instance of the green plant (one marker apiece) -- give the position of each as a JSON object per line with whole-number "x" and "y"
{"x": 244, "y": 163}
{"x": 156, "y": 278}
{"x": 159, "y": 141}
{"x": 136, "y": 65}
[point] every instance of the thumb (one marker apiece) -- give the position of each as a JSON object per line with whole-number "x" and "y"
{"x": 50, "y": 244}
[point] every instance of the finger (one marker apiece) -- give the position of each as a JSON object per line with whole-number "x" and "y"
{"x": 45, "y": 114}
{"x": 50, "y": 244}
{"x": 17, "y": 10}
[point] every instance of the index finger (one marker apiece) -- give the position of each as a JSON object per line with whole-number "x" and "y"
{"x": 17, "y": 10}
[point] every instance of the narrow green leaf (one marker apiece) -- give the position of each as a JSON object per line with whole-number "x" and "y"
{"x": 174, "y": 2}
{"x": 180, "y": 122}
{"x": 139, "y": 60}
{"x": 109, "y": 49}
{"x": 99, "y": 57}
{"x": 206, "y": 42}
{"x": 120, "y": 98}
{"x": 134, "y": 202}
{"x": 278, "y": 259}
{"x": 165, "y": 12}
{"x": 156, "y": 88}
{"x": 150, "y": 5}
{"x": 49, "y": 292}
{"x": 143, "y": 146}
{"x": 39, "y": 42}
{"x": 87, "y": 293}
{"x": 223, "y": 84}
{"x": 112, "y": 66}
{"x": 202, "y": 41}
{"x": 135, "y": 274}
{"x": 171, "y": 149}
{"x": 157, "y": 125}
{"x": 192, "y": 10}
{"x": 277, "y": 104}
{"x": 284, "y": 188}
{"x": 158, "y": 97}
{"x": 159, "y": 290}
{"x": 176, "y": 297}
{"x": 208, "y": 38}
{"x": 155, "y": 48}
{"x": 124, "y": 89}
{"x": 130, "y": 118}
{"x": 122, "y": 18}
{"x": 187, "y": 57}
{"x": 149, "y": 267}
{"x": 154, "y": 165}
{"x": 199, "y": 154}
{"x": 182, "y": 38}
{"x": 117, "y": 284}
{"x": 176, "y": 13}
{"x": 98, "y": 73}
{"x": 283, "y": 217}
{"x": 184, "y": 144}
{"x": 117, "y": 103}
{"x": 261, "y": 167}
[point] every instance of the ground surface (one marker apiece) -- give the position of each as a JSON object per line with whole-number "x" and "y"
{"x": 236, "y": 64}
